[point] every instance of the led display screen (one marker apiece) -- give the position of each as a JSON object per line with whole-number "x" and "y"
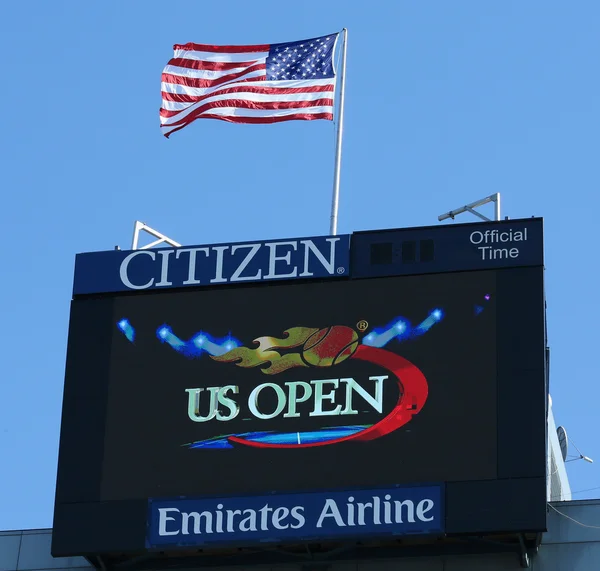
{"x": 302, "y": 386}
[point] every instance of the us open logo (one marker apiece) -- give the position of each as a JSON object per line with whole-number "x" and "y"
{"x": 321, "y": 349}
{"x": 322, "y": 386}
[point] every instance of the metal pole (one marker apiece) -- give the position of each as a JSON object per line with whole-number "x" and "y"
{"x": 335, "y": 202}
{"x": 497, "y": 206}
{"x": 136, "y": 234}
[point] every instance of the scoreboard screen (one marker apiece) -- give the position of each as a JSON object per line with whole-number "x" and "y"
{"x": 387, "y": 383}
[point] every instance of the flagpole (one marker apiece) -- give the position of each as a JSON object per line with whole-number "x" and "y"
{"x": 335, "y": 202}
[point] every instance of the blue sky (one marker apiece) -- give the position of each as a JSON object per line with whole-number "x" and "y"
{"x": 446, "y": 102}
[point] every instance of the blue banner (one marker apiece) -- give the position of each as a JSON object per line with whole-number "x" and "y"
{"x": 296, "y": 517}
{"x": 138, "y": 270}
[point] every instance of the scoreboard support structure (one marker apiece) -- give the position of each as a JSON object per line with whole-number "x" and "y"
{"x": 495, "y": 198}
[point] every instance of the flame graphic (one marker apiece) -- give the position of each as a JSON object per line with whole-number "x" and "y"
{"x": 264, "y": 353}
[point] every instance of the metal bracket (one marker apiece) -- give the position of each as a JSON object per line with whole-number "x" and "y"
{"x": 471, "y": 208}
{"x": 524, "y": 559}
{"x": 141, "y": 227}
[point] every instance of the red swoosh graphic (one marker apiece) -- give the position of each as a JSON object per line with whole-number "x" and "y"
{"x": 413, "y": 394}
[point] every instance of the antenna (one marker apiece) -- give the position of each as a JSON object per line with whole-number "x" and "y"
{"x": 563, "y": 441}
{"x": 581, "y": 456}
{"x": 471, "y": 208}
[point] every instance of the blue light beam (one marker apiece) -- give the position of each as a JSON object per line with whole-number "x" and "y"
{"x": 166, "y": 335}
{"x": 479, "y": 308}
{"x": 127, "y": 329}
{"x": 381, "y": 337}
{"x": 214, "y": 347}
{"x": 434, "y": 317}
{"x": 200, "y": 343}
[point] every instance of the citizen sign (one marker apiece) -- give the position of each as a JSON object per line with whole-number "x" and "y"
{"x": 302, "y": 258}
{"x": 279, "y": 263}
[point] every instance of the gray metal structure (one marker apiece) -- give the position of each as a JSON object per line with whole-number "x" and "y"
{"x": 495, "y": 198}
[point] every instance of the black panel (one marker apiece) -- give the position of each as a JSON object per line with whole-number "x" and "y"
{"x": 381, "y": 253}
{"x": 84, "y": 401}
{"x": 496, "y": 506}
{"x": 522, "y": 393}
{"x": 108, "y": 527}
{"x": 409, "y": 251}
{"x": 427, "y": 251}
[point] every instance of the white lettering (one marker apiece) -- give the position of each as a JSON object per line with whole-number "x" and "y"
{"x": 361, "y": 511}
{"x": 387, "y": 509}
{"x": 293, "y": 397}
{"x": 191, "y": 263}
{"x": 231, "y": 519}
{"x": 297, "y": 514}
{"x": 320, "y": 397}
{"x": 329, "y": 265}
{"x": 219, "y": 279}
{"x": 219, "y": 518}
{"x": 491, "y": 253}
{"x": 163, "y": 518}
{"x": 496, "y": 236}
{"x": 194, "y": 404}
{"x": 164, "y": 270}
{"x": 253, "y": 401}
{"x": 476, "y": 237}
{"x": 422, "y": 508}
{"x": 125, "y": 266}
{"x": 230, "y": 404}
{"x": 331, "y": 510}
{"x": 197, "y": 517}
{"x": 375, "y": 401}
{"x": 264, "y": 512}
{"x": 351, "y": 506}
{"x": 278, "y": 515}
{"x": 410, "y": 510}
{"x": 236, "y": 277}
{"x": 274, "y": 258}
{"x": 376, "y": 510}
{"x": 249, "y": 522}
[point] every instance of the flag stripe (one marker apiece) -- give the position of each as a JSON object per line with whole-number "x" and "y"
{"x": 191, "y": 46}
{"x": 233, "y": 104}
{"x": 208, "y": 65}
{"x": 220, "y": 58}
{"x": 198, "y": 92}
{"x": 255, "y": 120}
{"x": 182, "y": 101}
{"x": 170, "y": 109}
{"x": 245, "y": 112}
{"x": 206, "y": 73}
{"x": 192, "y": 82}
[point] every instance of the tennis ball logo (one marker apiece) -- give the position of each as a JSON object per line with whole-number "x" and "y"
{"x": 330, "y": 346}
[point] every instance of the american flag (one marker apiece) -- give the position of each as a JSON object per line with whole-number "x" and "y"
{"x": 248, "y": 84}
